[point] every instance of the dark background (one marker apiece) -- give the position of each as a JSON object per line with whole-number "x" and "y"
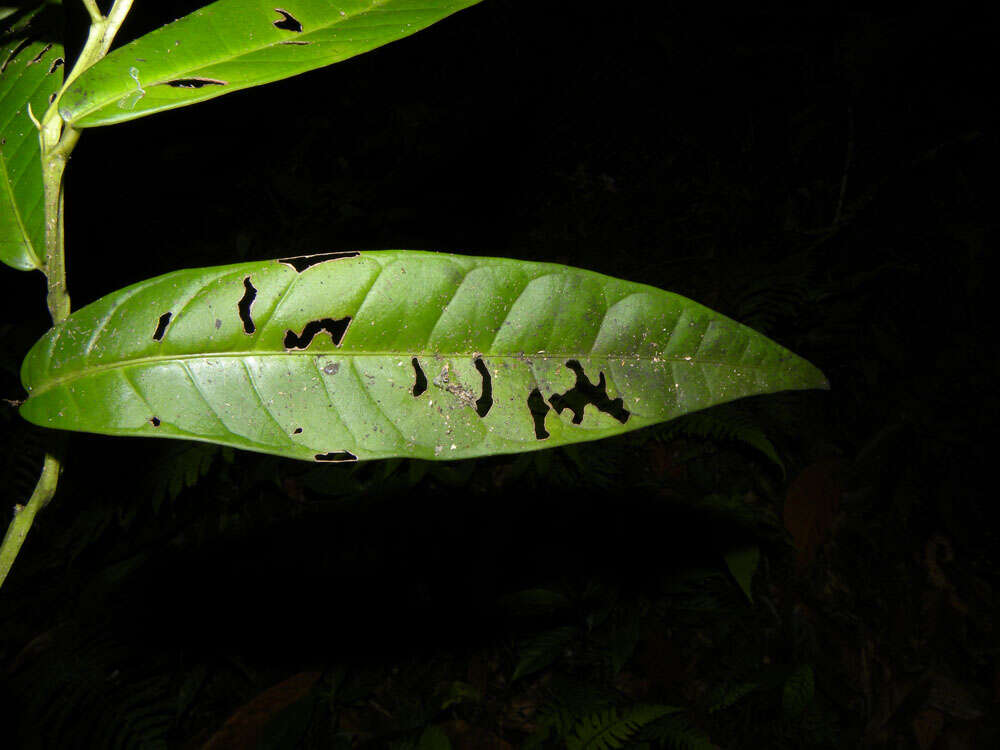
{"x": 822, "y": 175}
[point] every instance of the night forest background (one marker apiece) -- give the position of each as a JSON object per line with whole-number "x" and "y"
{"x": 821, "y": 175}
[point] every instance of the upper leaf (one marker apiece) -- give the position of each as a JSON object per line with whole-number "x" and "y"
{"x": 31, "y": 70}
{"x": 234, "y": 44}
{"x": 394, "y": 353}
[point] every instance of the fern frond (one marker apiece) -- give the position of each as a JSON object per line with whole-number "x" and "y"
{"x": 732, "y": 695}
{"x": 607, "y": 729}
{"x": 766, "y": 296}
{"x": 674, "y": 732}
{"x": 798, "y": 691}
{"x": 727, "y": 422}
{"x": 23, "y": 452}
{"x": 542, "y": 650}
{"x": 577, "y": 697}
{"x": 180, "y": 467}
{"x": 561, "y": 720}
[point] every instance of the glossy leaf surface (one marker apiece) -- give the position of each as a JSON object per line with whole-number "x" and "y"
{"x": 31, "y": 70}
{"x": 393, "y": 353}
{"x": 234, "y": 44}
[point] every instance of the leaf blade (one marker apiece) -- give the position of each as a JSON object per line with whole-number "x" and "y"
{"x": 215, "y": 50}
{"x": 742, "y": 562}
{"x": 598, "y": 355}
{"x": 31, "y": 61}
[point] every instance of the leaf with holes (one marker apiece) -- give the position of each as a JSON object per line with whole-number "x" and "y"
{"x": 368, "y": 355}
{"x": 235, "y": 44}
{"x": 31, "y": 71}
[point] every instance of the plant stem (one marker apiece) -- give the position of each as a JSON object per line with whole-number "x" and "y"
{"x": 24, "y": 515}
{"x": 54, "y": 160}
{"x": 93, "y": 10}
{"x": 57, "y": 141}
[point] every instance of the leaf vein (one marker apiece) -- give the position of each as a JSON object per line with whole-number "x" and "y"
{"x": 264, "y": 406}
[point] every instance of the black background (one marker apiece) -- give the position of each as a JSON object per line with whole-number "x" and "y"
{"x": 822, "y": 174}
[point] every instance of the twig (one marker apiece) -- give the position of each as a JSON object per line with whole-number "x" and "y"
{"x": 24, "y": 515}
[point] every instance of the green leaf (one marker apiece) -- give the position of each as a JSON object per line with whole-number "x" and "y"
{"x": 798, "y": 691}
{"x": 235, "y": 44}
{"x": 31, "y": 71}
{"x": 742, "y": 562}
{"x": 348, "y": 356}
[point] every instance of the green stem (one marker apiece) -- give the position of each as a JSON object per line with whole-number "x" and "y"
{"x": 93, "y": 10}
{"x": 58, "y": 140}
{"x": 24, "y": 515}
{"x": 54, "y": 160}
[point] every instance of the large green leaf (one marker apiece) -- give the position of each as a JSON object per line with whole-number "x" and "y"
{"x": 394, "y": 353}
{"x": 31, "y": 70}
{"x": 234, "y": 44}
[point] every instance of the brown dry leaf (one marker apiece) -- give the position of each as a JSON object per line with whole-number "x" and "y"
{"x": 811, "y": 505}
{"x": 243, "y": 728}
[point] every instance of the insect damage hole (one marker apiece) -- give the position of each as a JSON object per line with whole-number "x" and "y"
{"x": 195, "y": 83}
{"x": 485, "y": 402}
{"x": 24, "y": 43}
{"x": 538, "y": 409}
{"x": 40, "y": 55}
{"x": 301, "y": 262}
{"x": 585, "y": 392}
{"x": 420, "y": 380}
{"x": 161, "y": 327}
{"x": 249, "y": 295}
{"x": 287, "y": 22}
{"x": 336, "y": 457}
{"x": 336, "y": 329}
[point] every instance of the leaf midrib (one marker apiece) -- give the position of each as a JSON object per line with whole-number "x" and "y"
{"x": 53, "y": 383}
